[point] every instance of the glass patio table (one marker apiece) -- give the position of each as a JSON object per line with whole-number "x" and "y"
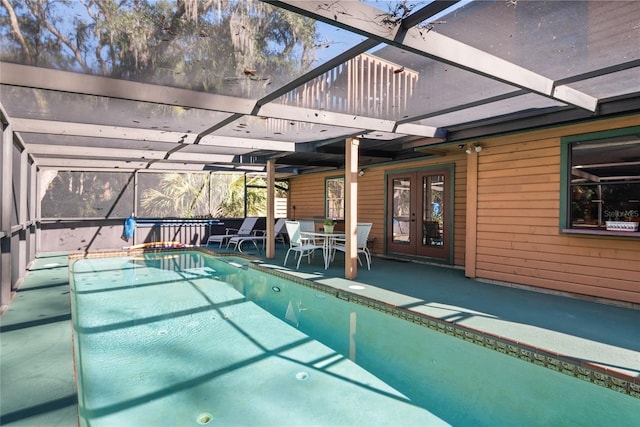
{"x": 327, "y": 242}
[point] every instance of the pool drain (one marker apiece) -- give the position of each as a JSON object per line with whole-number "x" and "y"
{"x": 275, "y": 289}
{"x": 302, "y": 376}
{"x": 204, "y": 418}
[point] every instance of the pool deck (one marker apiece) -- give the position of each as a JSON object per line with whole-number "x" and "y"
{"x": 37, "y": 381}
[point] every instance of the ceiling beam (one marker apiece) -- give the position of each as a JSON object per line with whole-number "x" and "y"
{"x": 99, "y": 131}
{"x": 79, "y": 152}
{"x": 329, "y": 118}
{"x": 137, "y": 134}
{"x": 66, "y": 81}
{"x": 368, "y": 21}
{"x": 247, "y": 143}
{"x": 203, "y": 158}
{"x": 59, "y": 163}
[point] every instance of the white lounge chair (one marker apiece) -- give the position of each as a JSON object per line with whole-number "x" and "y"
{"x": 280, "y": 230}
{"x": 259, "y": 236}
{"x": 237, "y": 241}
{"x": 363, "y": 234}
{"x": 246, "y": 229}
{"x": 297, "y": 245}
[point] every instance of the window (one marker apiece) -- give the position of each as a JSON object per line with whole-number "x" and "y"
{"x": 603, "y": 181}
{"x": 334, "y": 193}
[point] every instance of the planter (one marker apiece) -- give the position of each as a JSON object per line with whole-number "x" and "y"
{"x": 622, "y": 226}
{"x": 328, "y": 228}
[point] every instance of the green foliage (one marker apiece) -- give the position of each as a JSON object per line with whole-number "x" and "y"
{"x": 233, "y": 205}
{"x": 180, "y": 195}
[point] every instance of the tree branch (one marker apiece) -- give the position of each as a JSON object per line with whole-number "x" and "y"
{"x": 15, "y": 29}
{"x": 41, "y": 16}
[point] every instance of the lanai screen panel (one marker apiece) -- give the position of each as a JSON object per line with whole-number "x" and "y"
{"x": 558, "y": 39}
{"x": 525, "y": 104}
{"x": 442, "y": 87}
{"x": 86, "y": 194}
{"x": 246, "y": 49}
{"x": 41, "y": 104}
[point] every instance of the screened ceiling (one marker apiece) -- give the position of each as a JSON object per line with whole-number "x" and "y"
{"x": 226, "y": 85}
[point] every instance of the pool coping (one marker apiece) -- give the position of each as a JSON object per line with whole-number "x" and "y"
{"x": 576, "y": 367}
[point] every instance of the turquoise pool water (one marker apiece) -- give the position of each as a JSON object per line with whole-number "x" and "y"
{"x": 179, "y": 339}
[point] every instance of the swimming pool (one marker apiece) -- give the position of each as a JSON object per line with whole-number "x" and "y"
{"x": 184, "y": 338}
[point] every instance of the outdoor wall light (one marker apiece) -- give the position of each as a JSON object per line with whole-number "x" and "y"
{"x": 476, "y": 147}
{"x": 361, "y": 173}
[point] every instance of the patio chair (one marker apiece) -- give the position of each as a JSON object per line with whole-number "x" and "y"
{"x": 246, "y": 229}
{"x": 280, "y": 230}
{"x": 308, "y": 226}
{"x": 297, "y": 245}
{"x": 363, "y": 234}
{"x": 237, "y": 241}
{"x": 260, "y": 236}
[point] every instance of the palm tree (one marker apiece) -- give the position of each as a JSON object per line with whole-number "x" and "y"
{"x": 186, "y": 195}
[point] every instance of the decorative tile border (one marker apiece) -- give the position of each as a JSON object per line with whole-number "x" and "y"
{"x": 577, "y": 368}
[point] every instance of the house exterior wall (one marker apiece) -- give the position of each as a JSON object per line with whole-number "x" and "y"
{"x": 518, "y": 215}
{"x": 516, "y": 220}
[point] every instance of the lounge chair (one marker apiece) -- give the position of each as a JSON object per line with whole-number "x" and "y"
{"x": 258, "y": 236}
{"x": 297, "y": 245}
{"x": 237, "y": 241}
{"x": 363, "y": 234}
{"x": 246, "y": 229}
{"x": 280, "y": 230}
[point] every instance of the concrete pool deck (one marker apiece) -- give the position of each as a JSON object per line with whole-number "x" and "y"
{"x": 37, "y": 383}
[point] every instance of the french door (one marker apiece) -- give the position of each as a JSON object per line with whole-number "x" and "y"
{"x": 418, "y": 219}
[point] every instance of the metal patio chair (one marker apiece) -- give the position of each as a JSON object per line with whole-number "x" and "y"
{"x": 363, "y": 234}
{"x": 300, "y": 247}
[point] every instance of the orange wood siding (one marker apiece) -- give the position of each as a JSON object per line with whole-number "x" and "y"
{"x": 517, "y": 218}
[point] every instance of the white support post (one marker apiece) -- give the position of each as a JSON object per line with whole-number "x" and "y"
{"x": 351, "y": 208}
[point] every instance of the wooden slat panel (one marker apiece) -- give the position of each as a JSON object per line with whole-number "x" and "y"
{"x": 560, "y": 271}
{"x": 569, "y": 287}
{"x": 566, "y": 244}
{"x": 605, "y": 259}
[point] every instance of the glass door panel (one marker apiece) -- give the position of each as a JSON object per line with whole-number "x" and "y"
{"x": 401, "y": 210}
{"x": 433, "y": 205}
{"x": 418, "y": 223}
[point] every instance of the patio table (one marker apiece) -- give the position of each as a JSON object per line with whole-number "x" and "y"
{"x": 327, "y": 242}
